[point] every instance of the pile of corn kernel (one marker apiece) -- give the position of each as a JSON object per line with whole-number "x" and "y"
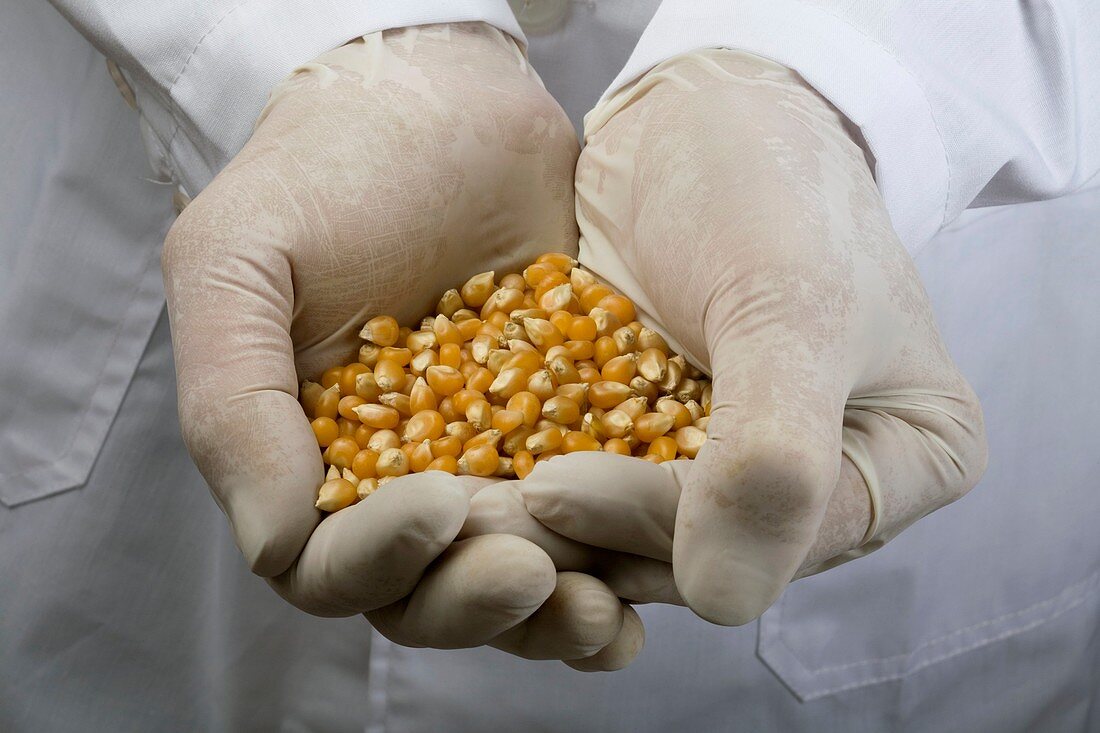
{"x": 504, "y": 375}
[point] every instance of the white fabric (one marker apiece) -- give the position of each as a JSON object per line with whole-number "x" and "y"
{"x": 984, "y": 615}
{"x": 961, "y": 104}
{"x": 202, "y": 71}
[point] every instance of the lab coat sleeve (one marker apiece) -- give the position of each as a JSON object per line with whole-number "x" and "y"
{"x": 960, "y": 104}
{"x": 201, "y": 71}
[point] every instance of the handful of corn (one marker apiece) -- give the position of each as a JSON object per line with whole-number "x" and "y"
{"x": 504, "y": 375}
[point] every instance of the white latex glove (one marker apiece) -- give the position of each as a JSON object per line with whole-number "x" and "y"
{"x": 728, "y": 200}
{"x": 377, "y": 177}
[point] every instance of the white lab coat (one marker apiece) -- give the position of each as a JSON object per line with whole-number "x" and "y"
{"x": 124, "y": 604}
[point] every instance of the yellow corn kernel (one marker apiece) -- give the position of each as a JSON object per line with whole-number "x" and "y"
{"x": 563, "y": 370}
{"x": 497, "y": 359}
{"x": 507, "y": 420}
{"x": 485, "y": 437}
{"x": 444, "y": 380}
{"x": 421, "y": 457}
{"x": 328, "y": 404}
{"x": 589, "y": 375}
{"x": 547, "y": 455}
{"x": 449, "y": 303}
{"x": 514, "y": 332}
{"x": 620, "y": 305}
{"x": 689, "y": 440}
{"x": 544, "y": 440}
{"x": 517, "y": 316}
{"x": 480, "y": 460}
{"x": 593, "y": 425}
{"x": 689, "y": 390}
{"x": 420, "y": 340}
{"x": 382, "y": 440}
{"x": 617, "y": 424}
{"x": 620, "y": 369}
{"x": 461, "y": 429}
{"x": 607, "y": 394}
{"x": 422, "y": 397}
{"x": 446, "y": 332}
{"x": 450, "y": 355}
{"x": 542, "y": 384}
{"x": 335, "y": 495}
{"x": 558, "y": 297}
{"x": 580, "y": 350}
{"x": 708, "y": 396}
{"x": 636, "y": 327}
{"x": 650, "y": 339}
{"x": 702, "y": 422}
{"x": 463, "y": 398}
{"x": 378, "y": 416}
{"x": 577, "y": 391}
{"x": 362, "y": 465}
{"x": 480, "y": 380}
{"x": 557, "y": 260}
{"x": 644, "y": 388}
{"x": 398, "y": 401}
{"x": 505, "y": 469}
{"x": 346, "y": 406}
{"x": 653, "y": 364}
{"x": 426, "y": 425}
{"x": 516, "y": 440}
{"x": 478, "y": 288}
{"x": 616, "y": 445}
{"x": 527, "y": 404}
{"x": 325, "y": 430}
{"x": 508, "y": 383}
{"x": 513, "y": 280}
{"x": 308, "y": 394}
{"x": 347, "y": 427}
{"x": 341, "y": 452}
{"x": 497, "y": 319}
{"x": 606, "y": 323}
{"x": 562, "y": 320}
{"x": 469, "y": 327}
{"x": 625, "y": 339}
{"x": 605, "y": 350}
{"x": 653, "y": 458}
{"x": 591, "y": 296}
{"x": 503, "y": 301}
{"x": 536, "y": 273}
{"x": 663, "y": 446}
{"x": 462, "y": 315}
{"x": 480, "y": 346}
{"x": 363, "y": 435}
{"x": 653, "y": 425}
{"x": 480, "y": 414}
{"x": 401, "y": 357}
{"x": 680, "y": 414}
{"x": 580, "y": 279}
{"x": 467, "y": 366}
{"x": 368, "y": 354}
{"x": 447, "y": 464}
{"x": 348, "y": 375}
{"x": 517, "y": 346}
{"x": 528, "y": 361}
{"x": 635, "y": 407}
{"x": 423, "y": 360}
{"x": 392, "y": 462}
{"x": 366, "y": 387}
{"x": 366, "y": 487}
{"x": 447, "y": 445}
{"x": 448, "y": 410}
{"x": 561, "y": 410}
{"x": 695, "y": 409}
{"x": 675, "y": 373}
{"x": 581, "y": 328}
{"x": 381, "y": 330}
{"x": 389, "y": 375}
{"x": 575, "y": 441}
{"x": 331, "y": 377}
{"x": 522, "y": 463}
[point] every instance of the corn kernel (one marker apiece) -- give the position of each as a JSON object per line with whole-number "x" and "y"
{"x": 444, "y": 380}
{"x": 422, "y": 397}
{"x": 341, "y": 452}
{"x": 620, "y": 369}
{"x": 461, "y": 429}
{"x": 625, "y": 339}
{"x": 331, "y": 377}
{"x": 591, "y": 296}
{"x": 663, "y": 446}
{"x": 616, "y": 445}
{"x": 558, "y": 260}
{"x": 575, "y": 441}
{"x": 480, "y": 415}
{"x": 620, "y": 305}
{"x": 378, "y": 416}
{"x": 469, "y": 327}
{"x": 556, "y": 298}
{"x": 366, "y": 487}
{"x": 368, "y": 354}
{"x": 425, "y": 425}
{"x": 608, "y": 394}
{"x": 513, "y": 280}
{"x": 689, "y": 440}
{"x": 563, "y": 370}
{"x": 450, "y": 355}
{"x": 392, "y": 462}
{"x": 522, "y": 463}
{"x": 381, "y": 330}
{"x": 362, "y": 465}
{"x": 383, "y": 440}
{"x": 421, "y": 457}
{"x": 363, "y": 435}
{"x": 478, "y": 288}
{"x": 503, "y": 301}
{"x": 544, "y": 440}
{"x": 398, "y": 401}
{"x": 480, "y": 380}
{"x": 325, "y": 430}
{"x": 606, "y": 323}
{"x": 605, "y": 350}
{"x": 328, "y": 404}
{"x": 653, "y": 458}
{"x": 680, "y": 414}
{"x": 423, "y": 360}
{"x": 335, "y": 495}
{"x": 347, "y": 427}
{"x": 653, "y": 425}
{"x": 507, "y": 420}
{"x": 446, "y": 332}
{"x": 593, "y": 425}
{"x": 561, "y": 410}
{"x": 449, "y": 303}
{"x": 508, "y": 383}
{"x": 617, "y": 424}
{"x": 448, "y": 464}
{"x": 634, "y": 406}
{"x": 480, "y": 460}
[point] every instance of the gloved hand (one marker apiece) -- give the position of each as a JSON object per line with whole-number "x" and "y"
{"x": 730, "y": 202}
{"x": 377, "y": 177}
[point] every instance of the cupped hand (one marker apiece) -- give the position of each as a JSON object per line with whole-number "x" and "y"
{"x": 377, "y": 177}
{"x": 731, "y": 202}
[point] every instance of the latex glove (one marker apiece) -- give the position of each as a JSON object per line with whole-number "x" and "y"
{"x": 729, "y": 201}
{"x": 378, "y": 176}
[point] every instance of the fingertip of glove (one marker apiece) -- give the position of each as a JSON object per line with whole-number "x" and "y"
{"x": 621, "y": 652}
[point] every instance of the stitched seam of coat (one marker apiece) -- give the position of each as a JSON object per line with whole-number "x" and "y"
{"x": 1079, "y": 588}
